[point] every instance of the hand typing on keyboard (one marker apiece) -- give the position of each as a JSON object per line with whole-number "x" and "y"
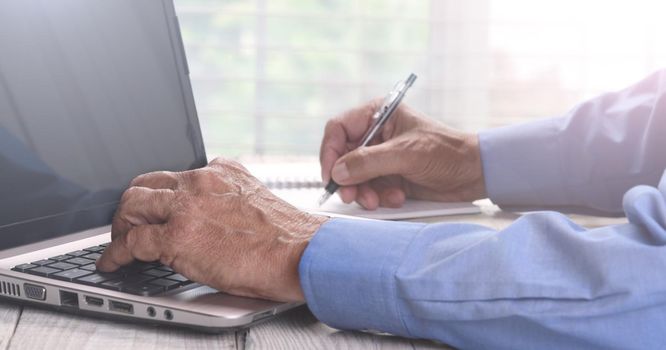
{"x": 218, "y": 226}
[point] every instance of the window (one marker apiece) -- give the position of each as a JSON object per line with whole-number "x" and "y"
{"x": 267, "y": 75}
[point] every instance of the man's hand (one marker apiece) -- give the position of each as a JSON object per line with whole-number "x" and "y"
{"x": 413, "y": 157}
{"x": 218, "y": 226}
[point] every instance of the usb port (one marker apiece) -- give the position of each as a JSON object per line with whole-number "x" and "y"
{"x": 93, "y": 301}
{"x": 118, "y": 306}
{"x": 69, "y": 299}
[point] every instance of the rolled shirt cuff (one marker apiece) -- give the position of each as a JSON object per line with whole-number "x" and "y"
{"x": 522, "y": 165}
{"x": 347, "y": 273}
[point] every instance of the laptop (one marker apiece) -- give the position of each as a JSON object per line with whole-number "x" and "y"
{"x": 92, "y": 94}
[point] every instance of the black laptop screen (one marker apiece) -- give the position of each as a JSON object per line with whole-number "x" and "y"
{"x": 91, "y": 95}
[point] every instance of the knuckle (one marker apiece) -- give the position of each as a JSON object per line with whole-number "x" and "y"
{"x": 130, "y": 194}
{"x": 226, "y": 164}
{"x": 218, "y": 160}
{"x": 222, "y": 161}
{"x": 236, "y": 166}
{"x": 331, "y": 125}
{"x": 164, "y": 174}
{"x": 137, "y": 180}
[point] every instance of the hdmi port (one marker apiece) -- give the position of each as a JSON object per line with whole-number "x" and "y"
{"x": 92, "y": 301}
{"x": 118, "y": 306}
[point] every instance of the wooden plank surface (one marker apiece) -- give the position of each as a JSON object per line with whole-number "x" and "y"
{"x": 43, "y": 329}
{"x": 299, "y": 329}
{"x": 9, "y": 318}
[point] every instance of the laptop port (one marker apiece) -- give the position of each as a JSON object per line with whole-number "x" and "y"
{"x": 93, "y": 301}
{"x": 118, "y": 306}
{"x": 70, "y": 299}
{"x": 34, "y": 291}
{"x": 168, "y": 315}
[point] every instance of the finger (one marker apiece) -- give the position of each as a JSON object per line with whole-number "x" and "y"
{"x": 333, "y": 146}
{"x": 157, "y": 180}
{"x": 367, "y": 197}
{"x": 141, "y": 206}
{"x": 347, "y": 194}
{"x": 141, "y": 242}
{"x": 367, "y": 163}
{"x": 391, "y": 197}
{"x": 340, "y": 131}
{"x": 390, "y": 191}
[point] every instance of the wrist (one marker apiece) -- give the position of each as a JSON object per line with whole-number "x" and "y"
{"x": 304, "y": 228}
{"x": 478, "y": 183}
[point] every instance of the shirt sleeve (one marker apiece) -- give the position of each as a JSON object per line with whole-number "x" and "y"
{"x": 585, "y": 160}
{"x": 541, "y": 283}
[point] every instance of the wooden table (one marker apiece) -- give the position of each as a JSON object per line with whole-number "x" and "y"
{"x": 31, "y": 328}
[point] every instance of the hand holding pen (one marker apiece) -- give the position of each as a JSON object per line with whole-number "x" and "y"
{"x": 379, "y": 119}
{"x": 412, "y": 156}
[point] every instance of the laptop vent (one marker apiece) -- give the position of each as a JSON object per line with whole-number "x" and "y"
{"x": 12, "y": 289}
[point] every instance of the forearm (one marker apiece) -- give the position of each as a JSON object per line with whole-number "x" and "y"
{"x": 542, "y": 282}
{"x": 582, "y": 161}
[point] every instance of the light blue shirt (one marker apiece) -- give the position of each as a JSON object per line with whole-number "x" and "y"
{"x": 543, "y": 282}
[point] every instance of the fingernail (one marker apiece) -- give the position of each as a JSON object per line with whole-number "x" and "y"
{"x": 340, "y": 173}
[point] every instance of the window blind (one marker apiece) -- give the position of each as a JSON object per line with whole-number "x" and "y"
{"x": 267, "y": 75}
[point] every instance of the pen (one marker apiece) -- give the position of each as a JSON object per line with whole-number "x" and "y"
{"x": 379, "y": 119}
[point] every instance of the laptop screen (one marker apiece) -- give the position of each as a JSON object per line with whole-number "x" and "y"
{"x": 92, "y": 94}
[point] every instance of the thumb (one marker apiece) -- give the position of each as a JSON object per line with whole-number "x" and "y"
{"x": 366, "y": 163}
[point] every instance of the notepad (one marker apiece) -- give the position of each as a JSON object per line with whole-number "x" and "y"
{"x": 299, "y": 185}
{"x": 306, "y": 199}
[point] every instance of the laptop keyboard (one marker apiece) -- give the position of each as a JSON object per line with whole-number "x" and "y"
{"x": 139, "y": 278}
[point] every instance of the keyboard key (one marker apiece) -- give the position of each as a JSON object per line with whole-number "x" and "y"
{"x": 156, "y": 273}
{"x": 113, "y": 284}
{"x": 139, "y": 277}
{"x": 105, "y": 244}
{"x": 80, "y": 261}
{"x": 96, "y": 278}
{"x": 95, "y": 249}
{"x": 165, "y": 268}
{"x": 43, "y": 262}
{"x": 178, "y": 277}
{"x": 142, "y": 289}
{"x": 165, "y": 283}
{"x": 62, "y": 266}
{"x": 78, "y": 253}
{"x": 70, "y": 274}
{"x": 136, "y": 279}
{"x": 42, "y": 271}
{"x": 89, "y": 267}
{"x": 23, "y": 267}
{"x": 93, "y": 256}
{"x": 138, "y": 266}
{"x": 61, "y": 257}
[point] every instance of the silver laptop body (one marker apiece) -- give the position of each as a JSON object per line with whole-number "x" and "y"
{"x": 92, "y": 94}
